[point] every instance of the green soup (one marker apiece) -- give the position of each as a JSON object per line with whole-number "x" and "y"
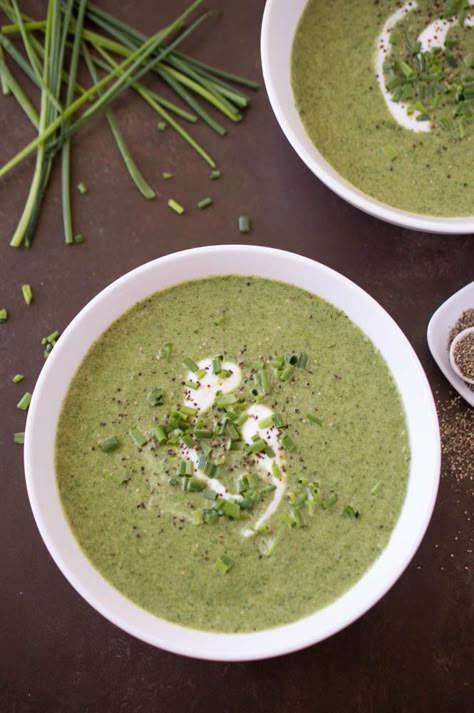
{"x": 266, "y": 505}
{"x": 344, "y": 112}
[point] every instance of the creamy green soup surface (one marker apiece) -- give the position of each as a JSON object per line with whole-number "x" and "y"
{"x": 427, "y": 169}
{"x": 232, "y": 454}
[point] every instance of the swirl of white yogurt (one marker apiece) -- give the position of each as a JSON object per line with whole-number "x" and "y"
{"x": 202, "y": 399}
{"x": 434, "y": 35}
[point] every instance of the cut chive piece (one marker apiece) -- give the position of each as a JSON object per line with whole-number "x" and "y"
{"x": 162, "y": 125}
{"x": 159, "y": 435}
{"x": 109, "y": 444}
{"x": 191, "y": 364}
{"x": 232, "y": 509}
{"x": 215, "y": 174}
{"x": 266, "y": 422}
{"x": 138, "y": 437}
{"x": 19, "y": 437}
{"x": 203, "y": 433}
{"x": 196, "y": 485}
{"x": 288, "y": 443}
{"x": 24, "y": 402}
{"x": 177, "y": 207}
{"x": 78, "y": 239}
{"x": 3, "y": 315}
{"x": 81, "y": 187}
{"x": 17, "y": 378}
{"x": 224, "y": 564}
{"x": 194, "y": 385}
{"x": 350, "y": 512}
{"x": 244, "y": 223}
{"x": 375, "y": 489}
{"x": 287, "y": 373}
{"x": 188, "y": 410}
{"x": 204, "y": 203}
{"x": 225, "y": 400}
{"x": 314, "y": 419}
{"x": 276, "y": 472}
{"x": 219, "y": 321}
{"x": 198, "y": 518}
{"x": 155, "y": 397}
{"x": 209, "y": 494}
{"x": 390, "y": 152}
{"x": 217, "y": 365}
{"x": 27, "y": 293}
{"x": 166, "y": 175}
{"x": 278, "y": 420}
{"x": 166, "y": 351}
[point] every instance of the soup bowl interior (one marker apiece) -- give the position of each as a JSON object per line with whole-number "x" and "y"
{"x": 279, "y": 25}
{"x": 66, "y": 357}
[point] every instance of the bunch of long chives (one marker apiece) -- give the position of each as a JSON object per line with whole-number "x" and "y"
{"x": 192, "y": 81}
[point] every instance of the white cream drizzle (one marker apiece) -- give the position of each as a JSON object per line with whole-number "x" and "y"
{"x": 202, "y": 399}
{"x": 432, "y": 36}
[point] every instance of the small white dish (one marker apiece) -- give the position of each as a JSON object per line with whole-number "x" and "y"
{"x": 452, "y": 358}
{"x": 114, "y": 300}
{"x": 279, "y": 24}
{"x": 439, "y": 327}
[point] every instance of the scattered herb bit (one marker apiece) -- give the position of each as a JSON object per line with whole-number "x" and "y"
{"x": 198, "y": 518}
{"x": 162, "y": 125}
{"x": 224, "y": 564}
{"x": 27, "y": 293}
{"x": 78, "y": 239}
{"x": 24, "y": 402}
{"x": 17, "y": 378}
{"x": 109, "y": 444}
{"x": 155, "y": 397}
{"x": 166, "y": 175}
{"x": 138, "y": 437}
{"x": 314, "y": 419}
{"x": 19, "y": 437}
{"x": 159, "y": 436}
{"x": 375, "y": 488}
{"x": 3, "y": 315}
{"x": 82, "y": 188}
{"x": 390, "y": 152}
{"x": 204, "y": 203}
{"x": 215, "y": 174}
{"x": 177, "y": 207}
{"x": 191, "y": 365}
{"x": 219, "y": 321}
{"x": 350, "y": 512}
{"x": 166, "y": 351}
{"x": 244, "y": 223}
{"x": 287, "y": 442}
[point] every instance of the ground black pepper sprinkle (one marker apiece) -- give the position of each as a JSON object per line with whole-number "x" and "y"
{"x": 464, "y": 355}
{"x": 465, "y": 321}
{"x": 456, "y": 421}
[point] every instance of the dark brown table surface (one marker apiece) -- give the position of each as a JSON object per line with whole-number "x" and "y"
{"x": 413, "y": 651}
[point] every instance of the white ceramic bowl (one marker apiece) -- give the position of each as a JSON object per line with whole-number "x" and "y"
{"x": 188, "y": 265}
{"x": 280, "y": 20}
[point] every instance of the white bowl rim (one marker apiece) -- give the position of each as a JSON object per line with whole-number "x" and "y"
{"x": 44, "y": 496}
{"x": 288, "y": 117}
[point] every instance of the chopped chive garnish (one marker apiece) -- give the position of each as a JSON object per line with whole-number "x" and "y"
{"x": 215, "y": 174}
{"x": 224, "y": 564}
{"x": 24, "y": 402}
{"x": 287, "y": 373}
{"x": 189, "y": 468}
{"x": 78, "y": 239}
{"x": 194, "y": 385}
{"x": 166, "y": 175}
{"x": 278, "y": 420}
{"x": 53, "y": 337}
{"x": 350, "y": 512}
{"x": 159, "y": 435}
{"x": 225, "y": 400}
{"x": 276, "y": 472}
{"x": 138, "y": 437}
{"x": 81, "y": 187}
{"x": 187, "y": 440}
{"x": 177, "y": 207}
{"x": 3, "y": 315}
{"x": 203, "y": 433}
{"x": 17, "y": 378}
{"x": 242, "y": 419}
{"x": 188, "y": 411}
{"x": 288, "y": 443}
{"x": 216, "y": 365}
{"x": 191, "y": 365}
{"x": 166, "y": 351}
{"x": 198, "y": 518}
{"x": 256, "y": 447}
{"x": 232, "y": 509}
{"x": 390, "y": 152}
{"x": 196, "y": 485}
{"x": 232, "y": 431}
{"x": 219, "y": 321}
{"x": 19, "y": 437}
{"x": 209, "y": 494}
{"x": 109, "y": 444}
{"x": 269, "y": 545}
{"x": 375, "y": 489}
{"x": 155, "y": 397}
{"x": 27, "y": 293}
{"x": 204, "y": 203}
{"x": 244, "y": 223}
{"x": 162, "y": 125}
{"x": 314, "y": 419}
{"x": 266, "y": 422}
